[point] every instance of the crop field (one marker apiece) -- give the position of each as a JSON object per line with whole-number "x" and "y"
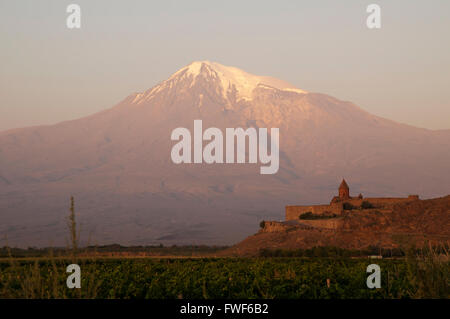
{"x": 209, "y": 278}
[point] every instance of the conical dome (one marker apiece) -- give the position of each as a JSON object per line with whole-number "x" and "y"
{"x": 343, "y": 185}
{"x": 344, "y": 190}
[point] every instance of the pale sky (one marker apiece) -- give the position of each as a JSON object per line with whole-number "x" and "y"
{"x": 49, "y": 73}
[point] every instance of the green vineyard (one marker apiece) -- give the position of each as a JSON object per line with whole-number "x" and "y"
{"x": 209, "y": 278}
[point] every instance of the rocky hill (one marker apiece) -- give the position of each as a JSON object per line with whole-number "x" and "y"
{"x": 411, "y": 223}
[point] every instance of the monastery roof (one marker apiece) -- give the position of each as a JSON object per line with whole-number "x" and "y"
{"x": 343, "y": 184}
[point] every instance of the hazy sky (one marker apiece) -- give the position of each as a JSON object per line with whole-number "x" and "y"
{"x": 49, "y": 73}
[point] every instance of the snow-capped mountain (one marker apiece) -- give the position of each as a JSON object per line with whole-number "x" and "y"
{"x": 231, "y": 83}
{"x": 127, "y": 190}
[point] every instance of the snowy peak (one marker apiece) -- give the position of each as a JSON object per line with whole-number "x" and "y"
{"x": 233, "y": 78}
{"x": 228, "y": 79}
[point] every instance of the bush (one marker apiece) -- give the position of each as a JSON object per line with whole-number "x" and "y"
{"x": 311, "y": 216}
{"x": 348, "y": 206}
{"x": 429, "y": 272}
{"x": 262, "y": 224}
{"x": 307, "y": 215}
{"x": 366, "y": 205}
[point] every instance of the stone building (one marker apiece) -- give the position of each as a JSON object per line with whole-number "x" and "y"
{"x": 344, "y": 202}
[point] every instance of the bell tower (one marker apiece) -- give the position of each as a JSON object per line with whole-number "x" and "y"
{"x": 344, "y": 190}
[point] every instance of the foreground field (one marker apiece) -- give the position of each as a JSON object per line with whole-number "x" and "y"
{"x": 223, "y": 278}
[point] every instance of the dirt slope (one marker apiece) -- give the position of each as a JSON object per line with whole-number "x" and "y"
{"x": 406, "y": 224}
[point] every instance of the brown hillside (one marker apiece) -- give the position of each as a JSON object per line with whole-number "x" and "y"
{"x": 405, "y": 224}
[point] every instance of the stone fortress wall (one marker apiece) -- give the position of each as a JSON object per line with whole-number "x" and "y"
{"x": 293, "y": 212}
{"x": 336, "y": 206}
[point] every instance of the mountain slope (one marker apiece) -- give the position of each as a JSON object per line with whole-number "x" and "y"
{"x": 117, "y": 162}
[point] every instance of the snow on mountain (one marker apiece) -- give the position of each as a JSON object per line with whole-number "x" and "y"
{"x": 229, "y": 79}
